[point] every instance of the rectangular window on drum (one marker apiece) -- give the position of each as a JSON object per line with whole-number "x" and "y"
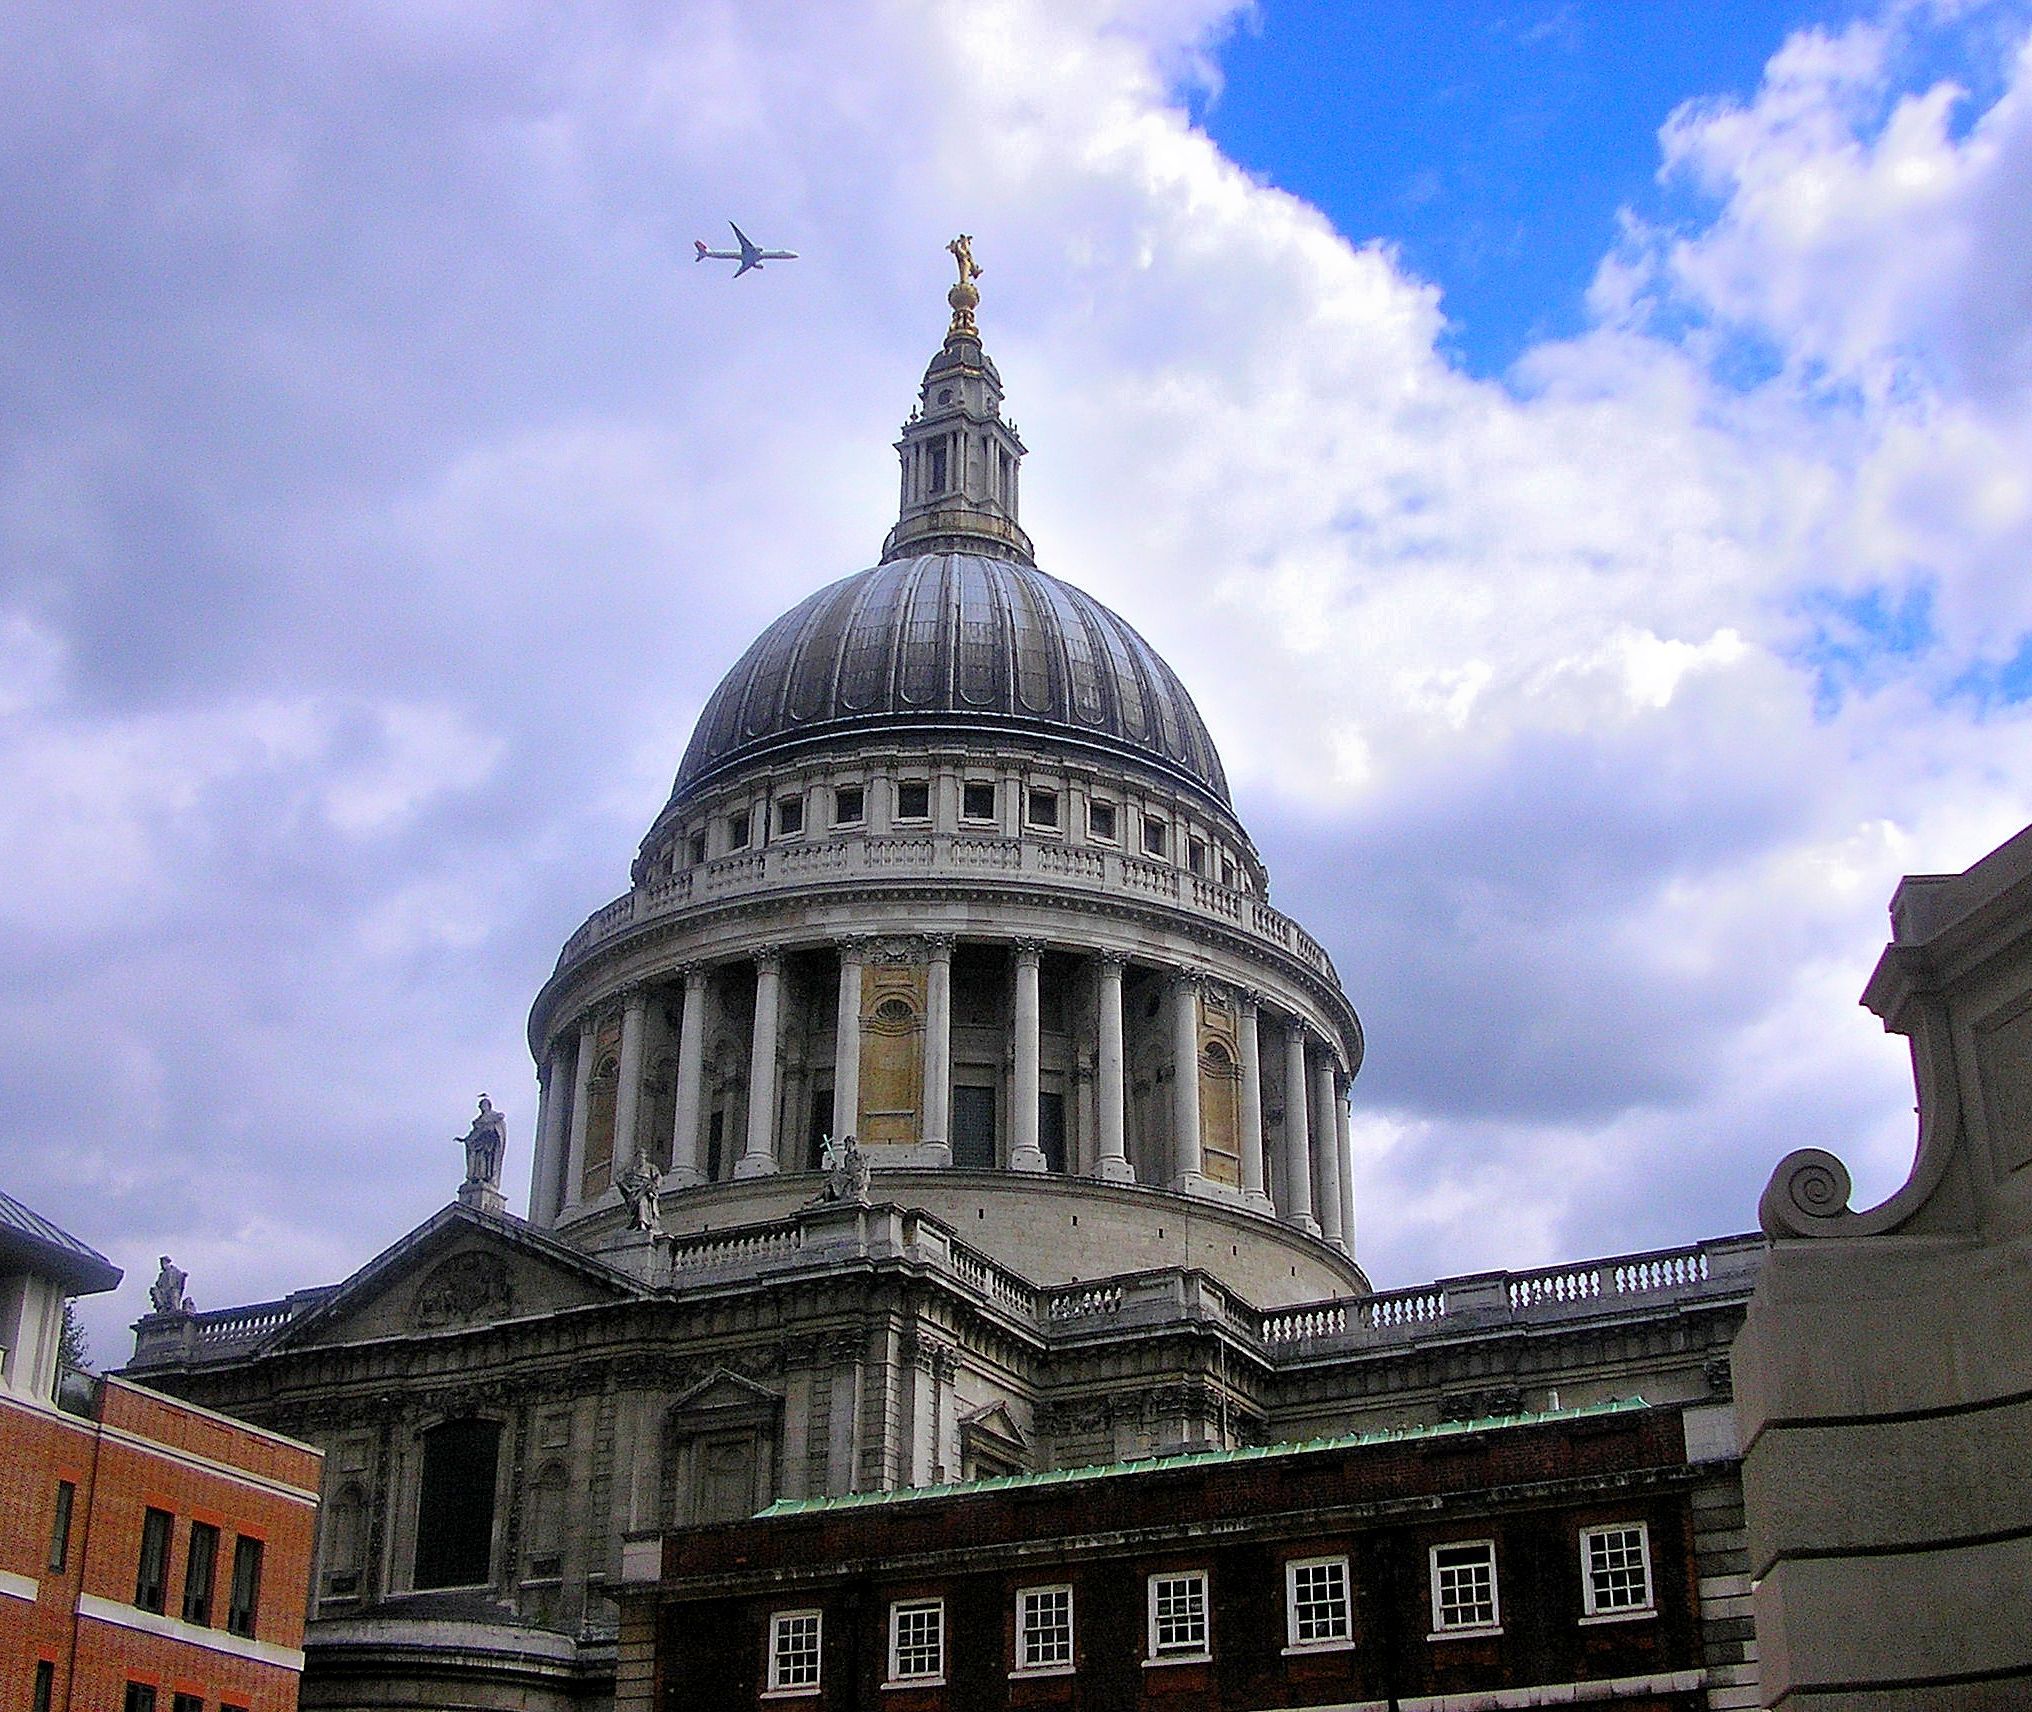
{"x": 1051, "y": 1130}
{"x": 973, "y": 1128}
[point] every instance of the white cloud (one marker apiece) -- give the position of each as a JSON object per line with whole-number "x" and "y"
{"x": 389, "y": 489}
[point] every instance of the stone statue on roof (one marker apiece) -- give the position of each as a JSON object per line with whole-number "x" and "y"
{"x": 485, "y": 1143}
{"x": 641, "y": 1186}
{"x": 165, "y": 1295}
{"x": 846, "y": 1169}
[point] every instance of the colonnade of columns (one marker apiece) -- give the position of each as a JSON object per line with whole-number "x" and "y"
{"x": 1314, "y": 1135}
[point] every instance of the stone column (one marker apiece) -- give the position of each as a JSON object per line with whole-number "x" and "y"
{"x": 938, "y": 1050}
{"x": 628, "y": 1089}
{"x": 758, "y": 1158}
{"x": 1185, "y": 1132}
{"x": 1024, "y": 1153}
{"x": 847, "y": 1044}
{"x": 1253, "y": 1174}
{"x": 686, "y": 1169}
{"x": 1297, "y": 1184}
{"x": 581, "y": 1104}
{"x": 1110, "y": 1090}
{"x": 547, "y": 1173}
{"x": 1342, "y": 1140}
{"x": 1326, "y": 1149}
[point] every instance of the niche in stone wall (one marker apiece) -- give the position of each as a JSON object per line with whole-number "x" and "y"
{"x": 892, "y": 1053}
{"x": 601, "y": 1092}
{"x": 1220, "y": 1090}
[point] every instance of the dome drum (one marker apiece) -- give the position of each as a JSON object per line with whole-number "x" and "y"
{"x": 950, "y": 868}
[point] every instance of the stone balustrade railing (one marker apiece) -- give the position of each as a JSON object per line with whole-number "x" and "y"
{"x": 244, "y": 1325}
{"x": 746, "y": 1245}
{"x": 1725, "y": 1266}
{"x": 792, "y": 864}
{"x": 825, "y": 1235}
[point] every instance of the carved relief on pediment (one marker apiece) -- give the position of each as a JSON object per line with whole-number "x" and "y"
{"x": 461, "y": 1290}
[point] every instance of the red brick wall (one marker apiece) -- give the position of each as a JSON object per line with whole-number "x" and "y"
{"x": 117, "y": 1480}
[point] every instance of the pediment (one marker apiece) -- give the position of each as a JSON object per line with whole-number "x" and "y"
{"x": 724, "y": 1392}
{"x": 993, "y": 1425}
{"x": 460, "y": 1270}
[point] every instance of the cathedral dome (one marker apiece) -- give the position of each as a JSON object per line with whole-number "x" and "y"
{"x": 953, "y": 643}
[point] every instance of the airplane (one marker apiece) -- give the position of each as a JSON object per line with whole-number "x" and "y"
{"x": 747, "y": 255}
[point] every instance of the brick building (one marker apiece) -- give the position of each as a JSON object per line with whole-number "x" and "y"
{"x": 1533, "y": 1560}
{"x": 153, "y": 1555}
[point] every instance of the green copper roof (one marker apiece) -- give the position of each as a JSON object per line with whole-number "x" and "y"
{"x": 1197, "y": 1459}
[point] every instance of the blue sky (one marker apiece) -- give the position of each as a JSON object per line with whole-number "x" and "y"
{"x": 1494, "y": 144}
{"x": 1577, "y": 459}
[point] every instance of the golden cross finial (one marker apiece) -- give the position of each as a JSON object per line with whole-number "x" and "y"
{"x": 966, "y": 295}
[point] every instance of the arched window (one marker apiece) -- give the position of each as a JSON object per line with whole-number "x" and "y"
{"x": 455, "y": 1507}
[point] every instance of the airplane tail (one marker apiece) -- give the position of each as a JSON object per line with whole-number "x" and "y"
{"x": 699, "y": 244}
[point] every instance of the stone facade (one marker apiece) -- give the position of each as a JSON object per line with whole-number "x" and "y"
{"x": 950, "y": 871}
{"x": 1887, "y": 1363}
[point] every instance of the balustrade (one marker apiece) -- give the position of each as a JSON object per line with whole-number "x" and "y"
{"x": 798, "y": 861}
